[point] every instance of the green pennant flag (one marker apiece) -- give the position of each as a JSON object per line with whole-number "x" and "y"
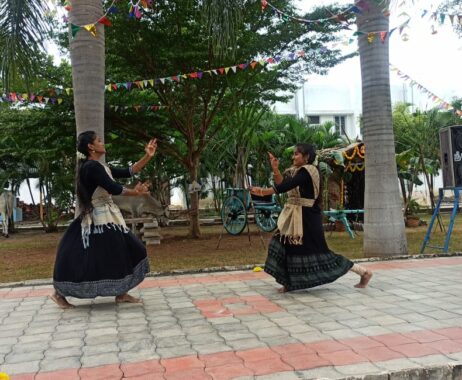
{"x": 74, "y": 29}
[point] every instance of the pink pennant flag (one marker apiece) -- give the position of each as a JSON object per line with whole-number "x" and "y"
{"x": 383, "y": 36}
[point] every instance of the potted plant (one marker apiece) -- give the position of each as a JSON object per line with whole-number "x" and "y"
{"x": 411, "y": 218}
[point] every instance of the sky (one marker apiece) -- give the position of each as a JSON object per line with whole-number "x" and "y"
{"x": 432, "y": 60}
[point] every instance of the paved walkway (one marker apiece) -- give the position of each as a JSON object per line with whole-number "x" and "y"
{"x": 236, "y": 325}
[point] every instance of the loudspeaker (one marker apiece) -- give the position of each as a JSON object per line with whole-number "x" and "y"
{"x": 451, "y": 155}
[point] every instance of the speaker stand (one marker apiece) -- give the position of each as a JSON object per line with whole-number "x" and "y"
{"x": 436, "y": 215}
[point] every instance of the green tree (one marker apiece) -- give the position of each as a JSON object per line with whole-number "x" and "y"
{"x": 177, "y": 42}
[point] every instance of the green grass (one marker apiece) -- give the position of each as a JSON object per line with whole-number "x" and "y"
{"x": 30, "y": 254}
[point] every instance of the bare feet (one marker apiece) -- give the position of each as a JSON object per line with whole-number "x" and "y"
{"x": 365, "y": 278}
{"x": 127, "y": 298}
{"x": 61, "y": 301}
{"x": 282, "y": 290}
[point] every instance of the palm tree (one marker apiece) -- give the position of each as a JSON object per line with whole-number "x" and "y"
{"x": 88, "y": 69}
{"x": 384, "y": 233}
{"x": 23, "y": 30}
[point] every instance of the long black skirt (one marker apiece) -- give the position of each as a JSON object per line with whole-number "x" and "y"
{"x": 115, "y": 262}
{"x": 303, "y": 270}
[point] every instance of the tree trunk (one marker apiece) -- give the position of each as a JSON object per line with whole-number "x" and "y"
{"x": 194, "y": 228}
{"x": 384, "y": 233}
{"x": 87, "y": 59}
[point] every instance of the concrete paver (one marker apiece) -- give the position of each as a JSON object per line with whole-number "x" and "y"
{"x": 235, "y": 325}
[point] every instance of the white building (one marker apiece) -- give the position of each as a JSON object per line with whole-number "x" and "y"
{"x": 340, "y": 103}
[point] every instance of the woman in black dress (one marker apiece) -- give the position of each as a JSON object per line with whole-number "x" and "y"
{"x": 98, "y": 255}
{"x": 298, "y": 255}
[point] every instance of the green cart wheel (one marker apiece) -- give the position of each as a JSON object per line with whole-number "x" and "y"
{"x": 233, "y": 215}
{"x": 266, "y": 219}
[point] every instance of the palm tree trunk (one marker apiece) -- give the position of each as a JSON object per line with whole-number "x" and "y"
{"x": 194, "y": 227}
{"x": 384, "y": 233}
{"x": 88, "y": 59}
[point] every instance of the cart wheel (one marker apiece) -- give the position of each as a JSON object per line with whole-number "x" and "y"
{"x": 267, "y": 220}
{"x": 233, "y": 215}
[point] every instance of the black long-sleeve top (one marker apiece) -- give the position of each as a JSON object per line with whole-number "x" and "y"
{"x": 93, "y": 174}
{"x": 305, "y": 185}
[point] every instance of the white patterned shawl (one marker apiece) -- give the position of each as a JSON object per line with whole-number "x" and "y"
{"x": 290, "y": 222}
{"x": 105, "y": 213}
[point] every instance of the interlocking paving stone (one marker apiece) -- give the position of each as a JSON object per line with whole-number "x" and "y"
{"x": 402, "y": 320}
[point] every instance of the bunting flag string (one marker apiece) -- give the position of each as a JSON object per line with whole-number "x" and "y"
{"x": 51, "y": 96}
{"x": 383, "y": 34}
{"x": 441, "y": 103}
{"x": 440, "y": 17}
{"x": 145, "y": 83}
{"x": 134, "y": 11}
{"x": 138, "y": 108}
{"x": 340, "y": 17}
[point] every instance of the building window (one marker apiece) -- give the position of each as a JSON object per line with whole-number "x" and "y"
{"x": 314, "y": 119}
{"x": 340, "y": 125}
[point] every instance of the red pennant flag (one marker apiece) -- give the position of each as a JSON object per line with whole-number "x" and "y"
{"x": 383, "y": 36}
{"x": 242, "y": 66}
{"x": 154, "y": 108}
{"x": 270, "y": 60}
{"x": 114, "y": 86}
{"x": 253, "y": 64}
{"x": 193, "y": 75}
{"x": 175, "y": 78}
{"x": 40, "y": 98}
{"x": 105, "y": 21}
{"x": 221, "y": 70}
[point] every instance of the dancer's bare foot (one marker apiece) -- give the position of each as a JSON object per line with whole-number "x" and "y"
{"x": 61, "y": 301}
{"x": 365, "y": 278}
{"x": 282, "y": 290}
{"x": 127, "y": 298}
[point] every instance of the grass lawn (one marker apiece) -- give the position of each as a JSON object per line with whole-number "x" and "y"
{"x": 30, "y": 254}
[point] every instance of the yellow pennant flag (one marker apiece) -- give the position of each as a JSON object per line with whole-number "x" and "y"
{"x": 227, "y": 69}
{"x": 370, "y": 37}
{"x": 109, "y": 87}
{"x": 68, "y": 91}
{"x": 91, "y": 28}
{"x": 151, "y": 82}
{"x": 60, "y": 100}
{"x": 25, "y": 96}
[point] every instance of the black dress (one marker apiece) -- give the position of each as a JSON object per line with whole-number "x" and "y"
{"x": 98, "y": 255}
{"x": 311, "y": 263}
